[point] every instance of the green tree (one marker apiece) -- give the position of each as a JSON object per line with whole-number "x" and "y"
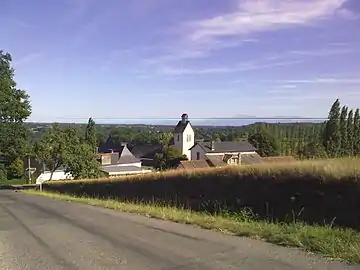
{"x": 332, "y": 135}
{"x": 350, "y": 133}
{"x": 164, "y": 138}
{"x": 169, "y": 158}
{"x": 51, "y": 149}
{"x": 64, "y": 147}
{"x": 91, "y": 135}
{"x": 356, "y": 137}
{"x": 81, "y": 162}
{"x": 16, "y": 169}
{"x": 313, "y": 149}
{"x": 265, "y": 143}
{"x": 343, "y": 131}
{"x": 14, "y": 110}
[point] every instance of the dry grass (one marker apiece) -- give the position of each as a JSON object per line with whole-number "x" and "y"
{"x": 330, "y": 169}
{"x": 331, "y": 242}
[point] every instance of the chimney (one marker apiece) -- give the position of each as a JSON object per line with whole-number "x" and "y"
{"x": 212, "y": 145}
{"x": 184, "y": 118}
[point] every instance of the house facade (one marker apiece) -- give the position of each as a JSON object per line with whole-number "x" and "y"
{"x": 184, "y": 136}
{"x": 118, "y": 162}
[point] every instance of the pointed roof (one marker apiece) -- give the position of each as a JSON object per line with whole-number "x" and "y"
{"x": 126, "y": 157}
{"x": 182, "y": 124}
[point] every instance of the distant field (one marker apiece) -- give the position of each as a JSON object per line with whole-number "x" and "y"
{"x": 313, "y": 191}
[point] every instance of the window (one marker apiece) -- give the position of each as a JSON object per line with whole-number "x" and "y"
{"x": 198, "y": 155}
{"x": 188, "y": 138}
{"x": 178, "y": 137}
{"x": 234, "y": 160}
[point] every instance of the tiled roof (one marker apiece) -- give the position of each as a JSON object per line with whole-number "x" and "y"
{"x": 193, "y": 164}
{"x": 120, "y": 169}
{"x": 249, "y": 159}
{"x": 146, "y": 151}
{"x": 226, "y": 147}
{"x": 216, "y": 160}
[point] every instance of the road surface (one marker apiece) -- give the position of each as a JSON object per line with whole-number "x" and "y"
{"x": 40, "y": 233}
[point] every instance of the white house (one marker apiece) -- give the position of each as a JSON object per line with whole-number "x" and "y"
{"x": 59, "y": 174}
{"x": 119, "y": 162}
{"x": 215, "y": 153}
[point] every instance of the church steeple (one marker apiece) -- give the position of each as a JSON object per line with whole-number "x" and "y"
{"x": 184, "y": 136}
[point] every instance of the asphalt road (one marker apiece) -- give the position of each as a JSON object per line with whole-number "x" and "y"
{"x": 41, "y": 233}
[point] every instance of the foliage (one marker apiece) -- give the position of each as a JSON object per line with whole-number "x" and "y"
{"x": 51, "y": 150}
{"x": 3, "y": 173}
{"x": 265, "y": 143}
{"x": 332, "y": 135}
{"x": 344, "y": 131}
{"x": 64, "y": 147}
{"x": 164, "y": 138}
{"x": 16, "y": 169}
{"x": 81, "y": 162}
{"x": 91, "y": 135}
{"x": 350, "y": 134}
{"x": 14, "y": 110}
{"x": 357, "y": 133}
{"x": 169, "y": 158}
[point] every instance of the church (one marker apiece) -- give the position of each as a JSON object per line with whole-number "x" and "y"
{"x": 212, "y": 153}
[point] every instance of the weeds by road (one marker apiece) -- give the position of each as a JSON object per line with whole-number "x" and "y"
{"x": 329, "y": 241}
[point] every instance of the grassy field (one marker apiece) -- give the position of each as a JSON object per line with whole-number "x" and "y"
{"x": 329, "y": 241}
{"x": 313, "y": 191}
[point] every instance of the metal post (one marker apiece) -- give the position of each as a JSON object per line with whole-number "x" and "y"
{"x": 29, "y": 173}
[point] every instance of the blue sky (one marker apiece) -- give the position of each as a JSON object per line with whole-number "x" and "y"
{"x": 160, "y": 58}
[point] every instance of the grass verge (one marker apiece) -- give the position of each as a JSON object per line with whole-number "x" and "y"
{"x": 335, "y": 243}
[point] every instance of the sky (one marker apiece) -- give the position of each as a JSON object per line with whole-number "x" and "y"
{"x": 116, "y": 59}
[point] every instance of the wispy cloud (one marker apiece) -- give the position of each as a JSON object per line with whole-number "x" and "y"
{"x": 27, "y": 58}
{"x": 249, "y": 66}
{"x": 326, "y": 81}
{"x": 253, "y": 16}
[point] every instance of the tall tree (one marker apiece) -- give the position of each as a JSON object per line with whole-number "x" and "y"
{"x": 14, "y": 110}
{"x": 332, "y": 136}
{"x": 265, "y": 143}
{"x": 343, "y": 131}
{"x": 91, "y": 135}
{"x": 357, "y": 132}
{"x": 350, "y": 133}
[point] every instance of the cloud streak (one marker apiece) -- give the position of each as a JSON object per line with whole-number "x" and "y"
{"x": 253, "y": 16}
{"x": 249, "y": 66}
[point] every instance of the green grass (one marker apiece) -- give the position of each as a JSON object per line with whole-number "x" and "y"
{"x": 12, "y": 182}
{"x": 331, "y": 242}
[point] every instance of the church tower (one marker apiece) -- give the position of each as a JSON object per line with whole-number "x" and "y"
{"x": 184, "y": 136}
